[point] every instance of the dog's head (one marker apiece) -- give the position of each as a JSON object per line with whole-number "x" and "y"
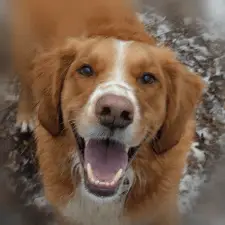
{"x": 111, "y": 96}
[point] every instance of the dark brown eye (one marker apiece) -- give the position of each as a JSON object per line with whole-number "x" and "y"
{"x": 147, "y": 78}
{"x": 86, "y": 70}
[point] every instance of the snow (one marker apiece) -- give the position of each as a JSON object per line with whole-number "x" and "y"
{"x": 189, "y": 188}
{"x": 197, "y": 153}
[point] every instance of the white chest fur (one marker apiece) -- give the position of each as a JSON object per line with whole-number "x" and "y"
{"x": 83, "y": 210}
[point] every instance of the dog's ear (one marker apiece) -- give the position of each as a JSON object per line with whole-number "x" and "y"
{"x": 184, "y": 90}
{"x": 50, "y": 70}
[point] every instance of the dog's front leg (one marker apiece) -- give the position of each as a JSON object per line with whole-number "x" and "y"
{"x": 24, "y": 120}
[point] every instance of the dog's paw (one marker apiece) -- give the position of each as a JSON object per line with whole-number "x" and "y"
{"x": 25, "y": 126}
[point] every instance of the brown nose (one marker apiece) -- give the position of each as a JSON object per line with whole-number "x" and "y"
{"x": 114, "y": 111}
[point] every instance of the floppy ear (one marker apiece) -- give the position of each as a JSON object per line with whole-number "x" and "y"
{"x": 52, "y": 67}
{"x": 184, "y": 92}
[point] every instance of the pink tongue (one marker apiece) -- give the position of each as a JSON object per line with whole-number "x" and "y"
{"x": 106, "y": 158}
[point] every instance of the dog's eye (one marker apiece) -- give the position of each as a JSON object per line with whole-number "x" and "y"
{"x": 147, "y": 78}
{"x": 86, "y": 70}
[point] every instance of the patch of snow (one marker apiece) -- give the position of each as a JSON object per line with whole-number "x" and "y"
{"x": 191, "y": 181}
{"x": 222, "y": 142}
{"x": 205, "y": 134}
{"x": 198, "y": 154}
{"x": 200, "y": 58}
{"x": 11, "y": 98}
{"x": 189, "y": 189}
{"x": 218, "y": 66}
{"x": 201, "y": 49}
{"x": 218, "y": 112}
{"x": 209, "y": 37}
{"x": 184, "y": 48}
{"x": 40, "y": 201}
{"x": 163, "y": 29}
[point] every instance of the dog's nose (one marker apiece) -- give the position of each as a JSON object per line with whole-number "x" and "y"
{"x": 114, "y": 111}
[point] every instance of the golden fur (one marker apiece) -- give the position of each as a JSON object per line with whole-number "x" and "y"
{"x": 167, "y": 108}
{"x": 41, "y": 25}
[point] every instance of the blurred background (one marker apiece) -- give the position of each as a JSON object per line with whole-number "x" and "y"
{"x": 195, "y": 29}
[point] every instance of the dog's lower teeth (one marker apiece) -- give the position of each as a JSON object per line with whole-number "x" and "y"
{"x": 97, "y": 182}
{"x": 90, "y": 172}
{"x": 101, "y": 183}
{"x": 118, "y": 175}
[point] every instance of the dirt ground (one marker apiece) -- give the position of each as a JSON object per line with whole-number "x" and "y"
{"x": 198, "y": 38}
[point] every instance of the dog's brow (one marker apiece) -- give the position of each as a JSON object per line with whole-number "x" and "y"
{"x": 122, "y": 85}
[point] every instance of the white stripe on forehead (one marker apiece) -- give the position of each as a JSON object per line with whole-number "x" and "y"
{"x": 117, "y": 78}
{"x": 121, "y": 47}
{"x": 116, "y": 82}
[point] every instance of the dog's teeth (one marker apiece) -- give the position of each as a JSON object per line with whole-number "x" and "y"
{"x": 90, "y": 172}
{"x": 117, "y": 176}
{"x": 102, "y": 183}
{"x": 97, "y": 182}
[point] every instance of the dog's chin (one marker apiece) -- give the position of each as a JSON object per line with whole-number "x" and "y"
{"x": 104, "y": 164}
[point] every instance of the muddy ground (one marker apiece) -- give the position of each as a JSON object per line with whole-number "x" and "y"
{"x": 199, "y": 42}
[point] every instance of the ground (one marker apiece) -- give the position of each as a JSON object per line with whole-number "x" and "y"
{"x": 199, "y": 42}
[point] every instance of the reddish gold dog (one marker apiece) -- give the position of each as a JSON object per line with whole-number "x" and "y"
{"x": 115, "y": 113}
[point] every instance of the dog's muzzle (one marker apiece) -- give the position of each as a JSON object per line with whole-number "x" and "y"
{"x": 104, "y": 159}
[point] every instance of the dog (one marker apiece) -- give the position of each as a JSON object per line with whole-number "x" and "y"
{"x": 113, "y": 112}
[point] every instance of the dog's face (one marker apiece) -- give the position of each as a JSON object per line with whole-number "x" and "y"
{"x": 111, "y": 97}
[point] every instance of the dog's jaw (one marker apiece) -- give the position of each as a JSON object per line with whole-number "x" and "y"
{"x": 84, "y": 208}
{"x": 124, "y": 187}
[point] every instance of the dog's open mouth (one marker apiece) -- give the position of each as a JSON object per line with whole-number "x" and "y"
{"x": 104, "y": 163}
